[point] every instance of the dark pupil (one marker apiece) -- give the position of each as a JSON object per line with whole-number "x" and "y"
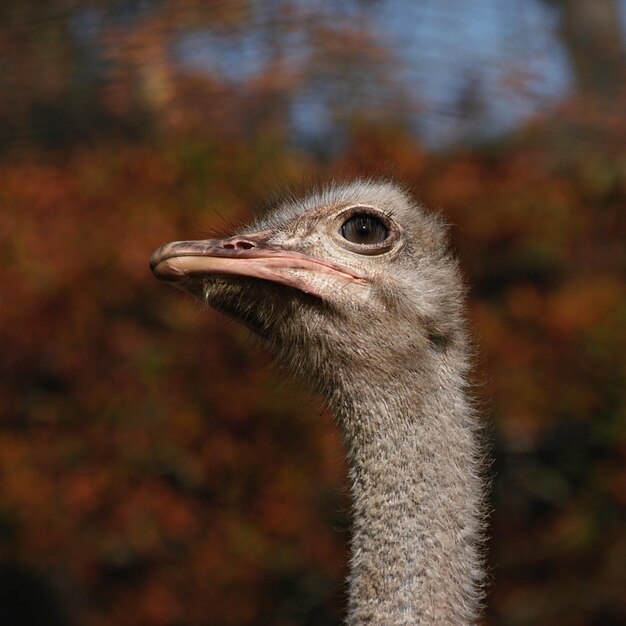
{"x": 364, "y": 229}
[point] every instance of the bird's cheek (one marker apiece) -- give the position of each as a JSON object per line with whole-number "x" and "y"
{"x": 335, "y": 288}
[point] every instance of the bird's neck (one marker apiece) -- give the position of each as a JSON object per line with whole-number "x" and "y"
{"x": 416, "y": 501}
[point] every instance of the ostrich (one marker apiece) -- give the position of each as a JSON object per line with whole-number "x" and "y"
{"x": 355, "y": 293}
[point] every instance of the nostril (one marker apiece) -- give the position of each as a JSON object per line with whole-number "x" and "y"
{"x": 238, "y": 244}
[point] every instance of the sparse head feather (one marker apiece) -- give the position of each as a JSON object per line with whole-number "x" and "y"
{"x": 389, "y": 197}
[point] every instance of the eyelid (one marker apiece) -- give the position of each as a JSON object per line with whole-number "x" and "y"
{"x": 363, "y": 209}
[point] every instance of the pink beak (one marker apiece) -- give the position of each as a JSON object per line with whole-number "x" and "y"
{"x": 245, "y": 255}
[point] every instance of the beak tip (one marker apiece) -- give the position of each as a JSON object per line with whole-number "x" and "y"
{"x": 162, "y": 268}
{"x": 154, "y": 259}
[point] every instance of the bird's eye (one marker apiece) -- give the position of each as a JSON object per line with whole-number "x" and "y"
{"x": 364, "y": 229}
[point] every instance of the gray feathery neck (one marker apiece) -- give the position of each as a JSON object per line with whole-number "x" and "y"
{"x": 416, "y": 498}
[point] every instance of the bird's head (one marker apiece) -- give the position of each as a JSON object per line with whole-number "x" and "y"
{"x": 356, "y": 274}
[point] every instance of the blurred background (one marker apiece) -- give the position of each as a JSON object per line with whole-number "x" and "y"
{"x": 154, "y": 471}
